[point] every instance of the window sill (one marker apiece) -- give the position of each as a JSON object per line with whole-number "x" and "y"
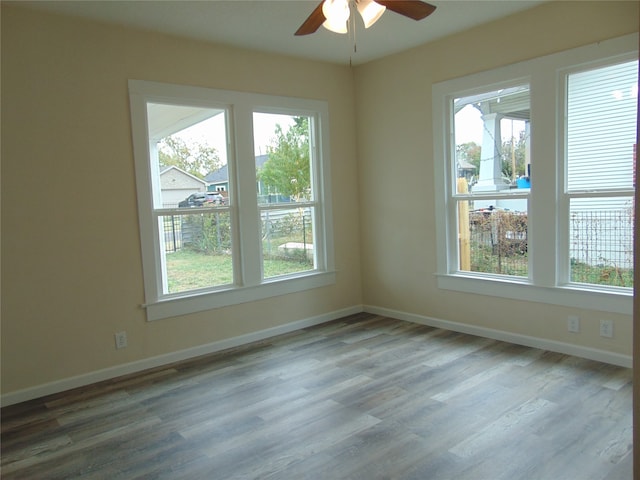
{"x": 572, "y": 295}
{"x": 210, "y": 300}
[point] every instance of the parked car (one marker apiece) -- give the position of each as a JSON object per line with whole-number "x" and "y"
{"x": 200, "y": 199}
{"x": 215, "y": 198}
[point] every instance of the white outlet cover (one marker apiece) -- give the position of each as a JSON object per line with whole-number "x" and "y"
{"x": 121, "y": 339}
{"x": 606, "y": 328}
{"x": 573, "y": 323}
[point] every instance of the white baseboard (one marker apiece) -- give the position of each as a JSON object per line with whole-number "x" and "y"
{"x": 166, "y": 359}
{"x": 160, "y": 360}
{"x": 518, "y": 339}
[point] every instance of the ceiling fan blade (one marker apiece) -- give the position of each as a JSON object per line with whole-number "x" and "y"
{"x": 313, "y": 22}
{"x": 415, "y": 9}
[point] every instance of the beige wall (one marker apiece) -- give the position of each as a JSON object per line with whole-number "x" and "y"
{"x": 396, "y": 154}
{"x": 71, "y": 267}
{"x": 71, "y": 264}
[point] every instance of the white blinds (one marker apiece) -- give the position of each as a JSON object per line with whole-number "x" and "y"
{"x": 601, "y": 127}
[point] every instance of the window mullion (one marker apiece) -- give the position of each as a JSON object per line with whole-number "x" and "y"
{"x": 247, "y": 200}
{"x": 542, "y": 229}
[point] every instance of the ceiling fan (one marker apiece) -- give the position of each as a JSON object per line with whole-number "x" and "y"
{"x": 334, "y": 14}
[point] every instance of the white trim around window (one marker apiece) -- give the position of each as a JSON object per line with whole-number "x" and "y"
{"x": 241, "y": 207}
{"x": 547, "y": 278}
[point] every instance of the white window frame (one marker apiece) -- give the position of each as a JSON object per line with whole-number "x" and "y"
{"x": 249, "y": 284}
{"x": 568, "y": 194}
{"x": 547, "y": 281}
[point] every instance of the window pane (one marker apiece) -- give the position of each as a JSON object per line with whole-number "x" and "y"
{"x": 601, "y": 127}
{"x": 287, "y": 241}
{"x": 284, "y": 170}
{"x": 190, "y": 147}
{"x": 601, "y": 241}
{"x": 492, "y": 139}
{"x": 188, "y": 151}
{"x": 197, "y": 251}
{"x": 493, "y": 240}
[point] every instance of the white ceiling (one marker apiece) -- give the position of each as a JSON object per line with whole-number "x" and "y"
{"x": 268, "y": 25}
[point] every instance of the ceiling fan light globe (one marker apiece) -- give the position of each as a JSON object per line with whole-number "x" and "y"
{"x": 370, "y": 11}
{"x": 337, "y": 14}
{"x": 339, "y": 28}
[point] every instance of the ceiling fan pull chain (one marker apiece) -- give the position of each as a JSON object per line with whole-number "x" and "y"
{"x": 353, "y": 25}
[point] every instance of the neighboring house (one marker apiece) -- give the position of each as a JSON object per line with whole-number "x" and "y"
{"x": 218, "y": 181}
{"x": 176, "y": 185}
{"x": 466, "y": 170}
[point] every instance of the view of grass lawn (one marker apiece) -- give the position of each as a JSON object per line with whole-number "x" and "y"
{"x": 601, "y": 275}
{"x": 188, "y": 270}
{"x": 287, "y": 242}
{"x": 483, "y": 260}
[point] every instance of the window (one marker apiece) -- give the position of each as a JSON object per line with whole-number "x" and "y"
{"x": 492, "y": 179}
{"x": 286, "y": 202}
{"x": 535, "y": 185}
{"x": 233, "y": 196}
{"x": 600, "y": 143}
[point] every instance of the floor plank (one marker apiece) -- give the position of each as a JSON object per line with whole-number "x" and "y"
{"x": 363, "y": 397}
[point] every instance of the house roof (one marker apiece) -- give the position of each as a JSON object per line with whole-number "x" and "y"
{"x": 173, "y": 167}
{"x": 464, "y": 165}
{"x": 222, "y": 175}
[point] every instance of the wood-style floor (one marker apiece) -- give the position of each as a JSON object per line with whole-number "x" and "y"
{"x": 364, "y": 397}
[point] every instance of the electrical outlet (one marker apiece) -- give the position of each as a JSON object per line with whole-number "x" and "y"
{"x": 606, "y": 328}
{"x": 573, "y": 323}
{"x": 121, "y": 339}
